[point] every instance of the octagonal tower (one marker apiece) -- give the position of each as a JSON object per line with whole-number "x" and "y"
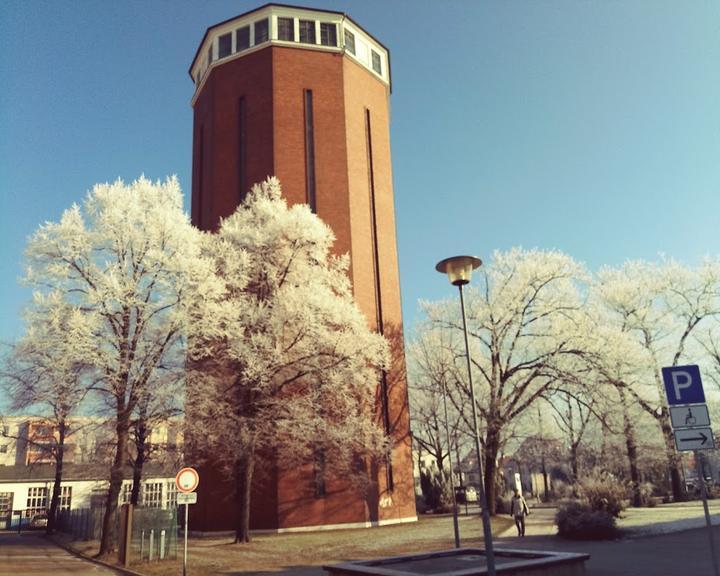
{"x": 303, "y": 94}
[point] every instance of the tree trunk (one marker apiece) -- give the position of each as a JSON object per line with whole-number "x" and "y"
{"x": 107, "y": 538}
{"x": 140, "y": 444}
{"x": 243, "y": 484}
{"x": 632, "y": 452}
{"x": 673, "y": 460}
{"x": 59, "y": 456}
{"x": 492, "y": 447}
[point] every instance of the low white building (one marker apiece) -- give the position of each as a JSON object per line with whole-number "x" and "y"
{"x": 25, "y": 491}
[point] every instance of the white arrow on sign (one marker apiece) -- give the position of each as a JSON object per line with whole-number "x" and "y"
{"x": 689, "y": 416}
{"x": 694, "y": 439}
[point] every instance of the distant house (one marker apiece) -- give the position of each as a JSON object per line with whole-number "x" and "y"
{"x": 27, "y": 469}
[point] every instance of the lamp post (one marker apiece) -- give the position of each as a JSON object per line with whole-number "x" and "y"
{"x": 459, "y": 271}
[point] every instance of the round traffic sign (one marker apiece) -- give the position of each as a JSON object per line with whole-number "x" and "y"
{"x": 187, "y": 480}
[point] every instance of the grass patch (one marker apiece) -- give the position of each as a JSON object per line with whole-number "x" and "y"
{"x": 268, "y": 553}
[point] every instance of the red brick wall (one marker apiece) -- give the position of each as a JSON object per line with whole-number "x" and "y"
{"x": 273, "y": 81}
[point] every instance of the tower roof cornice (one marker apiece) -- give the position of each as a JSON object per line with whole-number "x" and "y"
{"x": 201, "y": 62}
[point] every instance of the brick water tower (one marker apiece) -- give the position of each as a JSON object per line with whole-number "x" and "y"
{"x": 303, "y": 94}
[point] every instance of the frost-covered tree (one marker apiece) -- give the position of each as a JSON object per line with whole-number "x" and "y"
{"x": 283, "y": 360}
{"x": 654, "y": 310}
{"x": 438, "y": 427}
{"x": 122, "y": 258}
{"x": 522, "y": 315}
{"x": 48, "y": 373}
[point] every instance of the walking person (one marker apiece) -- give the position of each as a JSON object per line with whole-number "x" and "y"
{"x": 518, "y": 511}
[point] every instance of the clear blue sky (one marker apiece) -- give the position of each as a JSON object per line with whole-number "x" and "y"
{"x": 592, "y": 127}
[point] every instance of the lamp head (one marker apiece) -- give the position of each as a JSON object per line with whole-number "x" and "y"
{"x": 458, "y": 268}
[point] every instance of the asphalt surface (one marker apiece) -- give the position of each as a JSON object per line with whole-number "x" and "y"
{"x": 32, "y": 555}
{"x": 682, "y": 553}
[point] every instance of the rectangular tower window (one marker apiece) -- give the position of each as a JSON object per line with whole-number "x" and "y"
{"x": 376, "y": 62}
{"x": 225, "y": 45}
{"x": 286, "y": 29}
{"x": 261, "y": 31}
{"x": 241, "y": 149}
{"x": 307, "y": 31}
{"x": 350, "y": 42}
{"x": 210, "y": 55}
{"x": 310, "y": 151}
{"x": 242, "y": 38}
{"x": 328, "y": 34}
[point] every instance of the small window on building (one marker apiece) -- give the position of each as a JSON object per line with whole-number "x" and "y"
{"x": 152, "y": 495}
{"x": 307, "y": 31}
{"x": 328, "y": 34}
{"x": 376, "y": 62}
{"x": 126, "y": 493}
{"x": 286, "y": 29}
{"x": 65, "y": 497}
{"x": 242, "y": 38}
{"x": 5, "y": 430}
{"x": 350, "y": 42}
{"x": 3, "y": 448}
{"x": 225, "y": 45}
{"x": 171, "y": 493}
{"x": 210, "y": 55}
{"x": 261, "y": 31}
{"x": 36, "y": 501}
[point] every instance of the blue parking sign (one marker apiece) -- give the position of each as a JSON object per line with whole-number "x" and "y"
{"x": 683, "y": 385}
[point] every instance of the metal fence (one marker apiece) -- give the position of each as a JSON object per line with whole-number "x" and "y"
{"x": 154, "y": 534}
{"x": 84, "y": 523}
{"x": 154, "y": 530}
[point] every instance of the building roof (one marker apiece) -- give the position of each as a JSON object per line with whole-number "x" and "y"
{"x": 275, "y": 4}
{"x": 46, "y": 472}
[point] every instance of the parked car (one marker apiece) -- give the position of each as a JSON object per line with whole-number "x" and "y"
{"x": 465, "y": 494}
{"x": 39, "y": 520}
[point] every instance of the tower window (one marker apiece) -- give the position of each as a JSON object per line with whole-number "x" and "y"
{"x": 286, "y": 29}
{"x": 242, "y": 38}
{"x": 307, "y": 31}
{"x": 261, "y": 31}
{"x": 310, "y": 151}
{"x": 376, "y": 62}
{"x": 225, "y": 45}
{"x": 350, "y": 42}
{"x": 210, "y": 58}
{"x": 328, "y": 34}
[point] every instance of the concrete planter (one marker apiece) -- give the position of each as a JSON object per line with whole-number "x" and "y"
{"x": 468, "y": 562}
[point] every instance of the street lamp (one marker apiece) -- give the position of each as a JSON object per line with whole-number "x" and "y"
{"x": 459, "y": 270}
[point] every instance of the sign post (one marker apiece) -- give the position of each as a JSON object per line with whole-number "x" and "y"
{"x": 187, "y": 481}
{"x": 690, "y": 421}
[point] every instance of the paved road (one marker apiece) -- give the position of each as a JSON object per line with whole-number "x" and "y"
{"x": 33, "y": 555}
{"x": 685, "y": 553}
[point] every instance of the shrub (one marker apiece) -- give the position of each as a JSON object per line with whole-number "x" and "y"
{"x": 577, "y": 521}
{"x": 605, "y": 493}
{"x": 646, "y": 494}
{"x": 436, "y": 494}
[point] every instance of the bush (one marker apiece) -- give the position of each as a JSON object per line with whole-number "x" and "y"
{"x": 646, "y": 495}
{"x": 578, "y": 521}
{"x": 605, "y": 493}
{"x": 436, "y": 493}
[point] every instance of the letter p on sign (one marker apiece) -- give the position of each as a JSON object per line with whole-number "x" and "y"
{"x": 683, "y": 385}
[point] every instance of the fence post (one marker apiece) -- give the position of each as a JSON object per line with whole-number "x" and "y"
{"x": 126, "y": 520}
